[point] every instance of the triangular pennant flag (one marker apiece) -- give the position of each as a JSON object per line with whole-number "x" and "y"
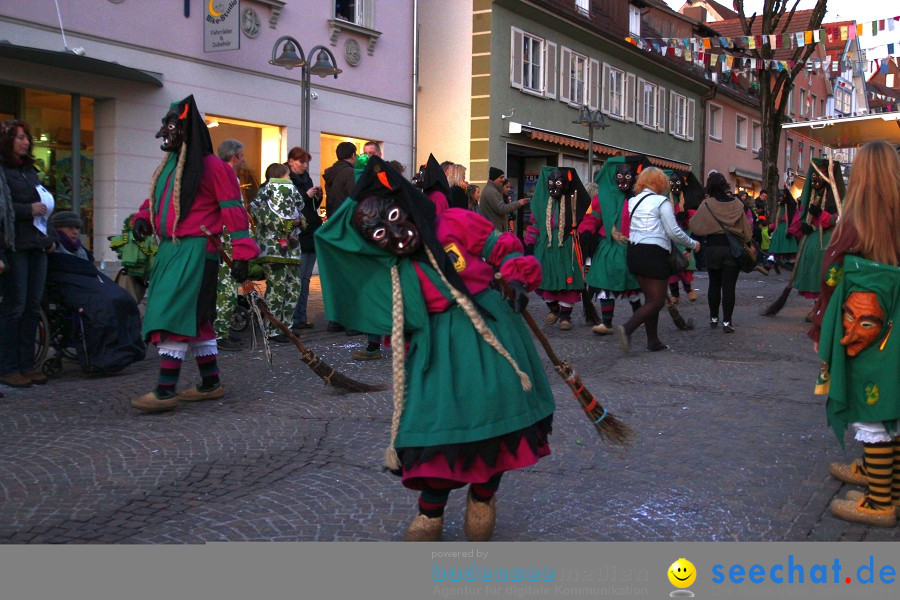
{"x": 851, "y": 33}
{"x": 859, "y": 29}
{"x": 799, "y": 36}
{"x": 707, "y": 43}
{"x": 713, "y": 59}
{"x": 874, "y": 27}
{"x": 751, "y": 42}
{"x": 843, "y": 33}
{"x": 807, "y": 37}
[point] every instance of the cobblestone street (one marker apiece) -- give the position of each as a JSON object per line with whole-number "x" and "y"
{"x": 731, "y": 444}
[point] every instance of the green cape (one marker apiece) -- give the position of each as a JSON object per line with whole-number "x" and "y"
{"x": 608, "y": 268}
{"x": 864, "y": 388}
{"x": 559, "y": 265}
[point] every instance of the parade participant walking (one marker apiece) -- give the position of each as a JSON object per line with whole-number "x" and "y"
{"x": 820, "y": 212}
{"x": 191, "y": 188}
{"x": 25, "y": 207}
{"x": 683, "y": 215}
{"x": 604, "y": 235}
{"x": 783, "y": 245}
{"x": 721, "y": 212}
{"x": 558, "y": 205}
{"x": 277, "y": 213}
{"x": 853, "y": 321}
{"x": 471, "y": 400}
{"x": 653, "y": 230}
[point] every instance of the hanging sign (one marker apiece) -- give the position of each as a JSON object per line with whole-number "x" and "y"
{"x": 222, "y": 25}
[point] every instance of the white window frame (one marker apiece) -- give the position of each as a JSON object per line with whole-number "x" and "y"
{"x": 741, "y": 131}
{"x": 538, "y": 81}
{"x": 804, "y": 96}
{"x": 574, "y": 69}
{"x": 715, "y": 110}
{"x": 546, "y": 76}
{"x": 755, "y": 141}
{"x": 634, "y": 20}
{"x": 583, "y": 7}
{"x": 617, "y": 93}
{"x": 365, "y": 13}
{"x": 813, "y": 100}
{"x": 681, "y": 116}
{"x": 648, "y": 112}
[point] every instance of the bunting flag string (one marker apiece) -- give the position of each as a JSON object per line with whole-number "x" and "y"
{"x": 796, "y": 39}
{"x": 730, "y": 62}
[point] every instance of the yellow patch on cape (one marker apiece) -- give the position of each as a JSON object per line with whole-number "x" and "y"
{"x": 872, "y": 394}
{"x": 834, "y": 276}
{"x": 456, "y": 257}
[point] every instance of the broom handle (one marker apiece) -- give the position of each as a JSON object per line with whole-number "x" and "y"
{"x": 531, "y": 324}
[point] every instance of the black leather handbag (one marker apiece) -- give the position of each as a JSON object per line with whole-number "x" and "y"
{"x": 741, "y": 252}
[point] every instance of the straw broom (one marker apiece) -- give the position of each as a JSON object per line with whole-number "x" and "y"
{"x": 607, "y": 425}
{"x": 320, "y": 368}
{"x": 774, "y": 308}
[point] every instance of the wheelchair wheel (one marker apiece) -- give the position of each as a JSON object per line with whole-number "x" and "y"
{"x": 240, "y": 319}
{"x": 42, "y": 339}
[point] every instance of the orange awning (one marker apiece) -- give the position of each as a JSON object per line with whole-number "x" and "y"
{"x": 573, "y": 142}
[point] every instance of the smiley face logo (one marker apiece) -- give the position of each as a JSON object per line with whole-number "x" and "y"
{"x": 682, "y": 573}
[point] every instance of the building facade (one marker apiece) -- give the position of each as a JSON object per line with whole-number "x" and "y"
{"x": 106, "y": 87}
{"x": 509, "y": 93}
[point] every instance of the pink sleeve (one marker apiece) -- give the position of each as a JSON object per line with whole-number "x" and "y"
{"x": 439, "y": 200}
{"x": 593, "y": 220}
{"x": 826, "y": 220}
{"x": 794, "y": 227}
{"x": 526, "y": 269}
{"x": 468, "y": 227}
{"x": 234, "y": 215}
{"x": 531, "y": 232}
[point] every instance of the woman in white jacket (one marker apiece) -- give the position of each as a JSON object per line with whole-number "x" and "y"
{"x": 653, "y": 230}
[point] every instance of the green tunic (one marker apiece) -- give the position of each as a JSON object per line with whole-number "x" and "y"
{"x": 782, "y": 243}
{"x": 864, "y": 388}
{"x": 808, "y": 270}
{"x": 458, "y": 388}
{"x": 609, "y": 270}
{"x": 174, "y": 286}
{"x": 560, "y": 269}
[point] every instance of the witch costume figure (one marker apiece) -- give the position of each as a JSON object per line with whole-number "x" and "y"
{"x": 192, "y": 188}
{"x": 471, "y": 400}
{"x": 783, "y": 247}
{"x": 557, "y": 207}
{"x": 686, "y": 193}
{"x": 861, "y": 378}
{"x": 820, "y": 212}
{"x": 604, "y": 234}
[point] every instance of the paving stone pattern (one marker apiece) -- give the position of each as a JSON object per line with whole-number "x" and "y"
{"x": 731, "y": 445}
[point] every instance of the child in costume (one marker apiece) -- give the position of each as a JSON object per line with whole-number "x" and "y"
{"x": 276, "y": 212}
{"x": 192, "y": 188}
{"x": 604, "y": 235}
{"x": 853, "y": 322}
{"x": 684, "y": 210}
{"x": 554, "y": 216}
{"x": 471, "y": 400}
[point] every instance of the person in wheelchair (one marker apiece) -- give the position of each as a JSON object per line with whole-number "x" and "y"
{"x": 110, "y": 316}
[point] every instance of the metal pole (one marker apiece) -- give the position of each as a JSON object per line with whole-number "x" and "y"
{"x": 304, "y": 139}
{"x": 76, "y": 153}
{"x": 590, "y": 173}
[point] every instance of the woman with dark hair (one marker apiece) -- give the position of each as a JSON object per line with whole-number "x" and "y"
{"x": 721, "y": 212}
{"x": 26, "y": 206}
{"x": 473, "y": 195}
{"x": 298, "y": 162}
{"x": 653, "y": 231}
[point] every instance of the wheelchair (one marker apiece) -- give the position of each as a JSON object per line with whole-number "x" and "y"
{"x": 60, "y": 333}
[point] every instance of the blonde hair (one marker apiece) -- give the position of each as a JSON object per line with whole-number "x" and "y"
{"x": 872, "y": 204}
{"x": 456, "y": 174}
{"x": 176, "y": 190}
{"x": 652, "y": 178}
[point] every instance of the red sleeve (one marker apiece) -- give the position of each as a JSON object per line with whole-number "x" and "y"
{"x": 142, "y": 213}
{"x": 532, "y": 233}
{"x": 593, "y": 220}
{"x": 794, "y": 227}
{"x": 231, "y": 205}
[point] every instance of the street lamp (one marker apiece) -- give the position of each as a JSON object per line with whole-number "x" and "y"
{"x": 591, "y": 118}
{"x": 292, "y": 56}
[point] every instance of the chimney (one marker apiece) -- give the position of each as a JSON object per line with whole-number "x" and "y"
{"x": 698, "y": 13}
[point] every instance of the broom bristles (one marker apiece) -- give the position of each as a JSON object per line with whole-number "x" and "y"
{"x": 679, "y": 321}
{"x": 774, "y": 308}
{"x": 590, "y": 311}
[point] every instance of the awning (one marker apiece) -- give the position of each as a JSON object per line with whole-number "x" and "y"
{"x": 850, "y": 132}
{"x": 82, "y": 64}
{"x": 570, "y": 141}
{"x": 747, "y": 174}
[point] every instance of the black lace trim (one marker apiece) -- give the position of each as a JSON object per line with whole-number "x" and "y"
{"x": 535, "y": 434}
